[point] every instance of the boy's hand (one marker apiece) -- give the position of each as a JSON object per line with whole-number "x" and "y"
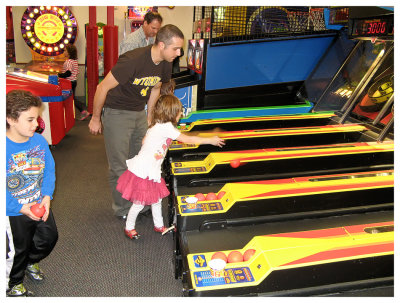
{"x": 26, "y": 210}
{"x": 46, "y": 204}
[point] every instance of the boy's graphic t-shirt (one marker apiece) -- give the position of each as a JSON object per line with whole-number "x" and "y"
{"x": 30, "y": 173}
{"x": 147, "y": 164}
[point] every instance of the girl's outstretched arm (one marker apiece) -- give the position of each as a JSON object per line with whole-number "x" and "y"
{"x": 215, "y": 140}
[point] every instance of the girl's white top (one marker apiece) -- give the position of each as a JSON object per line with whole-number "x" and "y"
{"x": 147, "y": 163}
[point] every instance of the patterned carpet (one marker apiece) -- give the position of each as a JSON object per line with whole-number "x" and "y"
{"x": 93, "y": 258}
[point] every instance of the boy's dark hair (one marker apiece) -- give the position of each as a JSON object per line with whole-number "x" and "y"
{"x": 166, "y": 33}
{"x": 150, "y": 16}
{"x": 166, "y": 110}
{"x": 168, "y": 88}
{"x": 72, "y": 51}
{"x": 18, "y": 101}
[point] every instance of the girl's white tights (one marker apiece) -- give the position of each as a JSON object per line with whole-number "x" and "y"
{"x": 135, "y": 210}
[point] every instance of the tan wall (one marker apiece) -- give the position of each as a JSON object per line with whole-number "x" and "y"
{"x": 181, "y": 16}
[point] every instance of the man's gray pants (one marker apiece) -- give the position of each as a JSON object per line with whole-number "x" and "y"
{"x": 123, "y": 134}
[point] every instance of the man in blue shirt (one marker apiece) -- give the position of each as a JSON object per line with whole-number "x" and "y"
{"x": 144, "y": 35}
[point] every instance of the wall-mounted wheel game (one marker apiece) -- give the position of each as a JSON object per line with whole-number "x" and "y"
{"x": 48, "y": 29}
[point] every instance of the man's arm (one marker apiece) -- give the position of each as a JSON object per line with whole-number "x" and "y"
{"x": 102, "y": 89}
{"x": 154, "y": 94}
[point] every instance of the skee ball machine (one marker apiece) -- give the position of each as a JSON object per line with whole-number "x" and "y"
{"x": 355, "y": 242}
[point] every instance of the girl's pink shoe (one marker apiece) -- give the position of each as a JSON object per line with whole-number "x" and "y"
{"x": 84, "y": 115}
{"x": 132, "y": 234}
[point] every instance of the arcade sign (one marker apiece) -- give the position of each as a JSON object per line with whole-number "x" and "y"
{"x": 48, "y": 29}
{"x": 137, "y": 13}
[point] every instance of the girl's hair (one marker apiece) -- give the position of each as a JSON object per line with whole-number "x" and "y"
{"x": 18, "y": 101}
{"x": 72, "y": 51}
{"x": 168, "y": 88}
{"x": 166, "y": 110}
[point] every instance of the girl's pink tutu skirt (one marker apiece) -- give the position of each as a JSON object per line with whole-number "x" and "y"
{"x": 141, "y": 191}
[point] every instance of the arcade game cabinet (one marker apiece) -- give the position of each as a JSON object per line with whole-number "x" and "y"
{"x": 57, "y": 116}
{"x": 302, "y": 235}
{"x": 47, "y": 30}
{"x": 241, "y": 62}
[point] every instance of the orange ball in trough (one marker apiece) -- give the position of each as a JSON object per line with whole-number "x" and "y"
{"x": 235, "y": 163}
{"x": 211, "y": 196}
{"x": 235, "y": 256}
{"x": 248, "y": 254}
{"x": 220, "y": 195}
{"x": 200, "y": 196}
{"x": 219, "y": 255}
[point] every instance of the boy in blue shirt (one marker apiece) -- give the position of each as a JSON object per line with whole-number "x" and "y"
{"x": 30, "y": 172}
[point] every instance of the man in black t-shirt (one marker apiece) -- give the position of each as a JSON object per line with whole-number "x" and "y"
{"x": 135, "y": 80}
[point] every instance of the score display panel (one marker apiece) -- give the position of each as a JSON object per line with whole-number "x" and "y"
{"x": 382, "y": 27}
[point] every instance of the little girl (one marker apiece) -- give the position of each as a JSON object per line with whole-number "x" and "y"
{"x": 70, "y": 71}
{"x": 142, "y": 183}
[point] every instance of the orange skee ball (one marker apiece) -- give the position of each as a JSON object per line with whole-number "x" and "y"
{"x": 219, "y": 255}
{"x": 211, "y": 196}
{"x": 235, "y": 256}
{"x": 248, "y": 254}
{"x": 220, "y": 195}
{"x": 200, "y": 196}
{"x": 235, "y": 163}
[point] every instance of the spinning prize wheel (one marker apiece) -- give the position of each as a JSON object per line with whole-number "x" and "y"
{"x": 48, "y": 29}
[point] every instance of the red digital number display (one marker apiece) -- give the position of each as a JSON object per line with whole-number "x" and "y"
{"x": 376, "y": 28}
